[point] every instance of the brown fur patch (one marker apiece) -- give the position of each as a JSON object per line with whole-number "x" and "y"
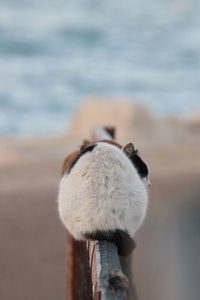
{"x": 69, "y": 161}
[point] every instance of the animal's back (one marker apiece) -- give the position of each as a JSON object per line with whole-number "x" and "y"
{"x": 102, "y": 193}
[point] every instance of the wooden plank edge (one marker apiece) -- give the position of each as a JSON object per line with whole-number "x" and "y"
{"x": 111, "y": 282}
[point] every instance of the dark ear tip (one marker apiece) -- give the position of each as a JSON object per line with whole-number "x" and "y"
{"x": 129, "y": 149}
{"x": 130, "y": 145}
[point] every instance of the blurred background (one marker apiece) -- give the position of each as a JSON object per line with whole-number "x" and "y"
{"x": 66, "y": 66}
{"x": 53, "y": 54}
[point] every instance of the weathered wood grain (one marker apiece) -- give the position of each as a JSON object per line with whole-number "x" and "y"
{"x": 79, "y": 280}
{"x": 108, "y": 281}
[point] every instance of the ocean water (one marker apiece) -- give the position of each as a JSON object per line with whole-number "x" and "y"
{"x": 55, "y": 53}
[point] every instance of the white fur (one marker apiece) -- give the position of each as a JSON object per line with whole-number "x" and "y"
{"x": 103, "y": 191}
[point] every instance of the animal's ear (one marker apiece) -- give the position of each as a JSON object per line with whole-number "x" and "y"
{"x": 129, "y": 150}
{"x": 85, "y": 144}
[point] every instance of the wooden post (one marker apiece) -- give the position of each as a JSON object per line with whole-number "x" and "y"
{"x": 79, "y": 282}
{"x": 108, "y": 281}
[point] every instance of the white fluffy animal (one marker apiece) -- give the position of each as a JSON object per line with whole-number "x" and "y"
{"x": 103, "y": 193}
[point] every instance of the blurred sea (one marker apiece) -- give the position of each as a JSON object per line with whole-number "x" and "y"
{"x": 55, "y": 53}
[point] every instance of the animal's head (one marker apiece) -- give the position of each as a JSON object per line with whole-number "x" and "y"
{"x": 128, "y": 149}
